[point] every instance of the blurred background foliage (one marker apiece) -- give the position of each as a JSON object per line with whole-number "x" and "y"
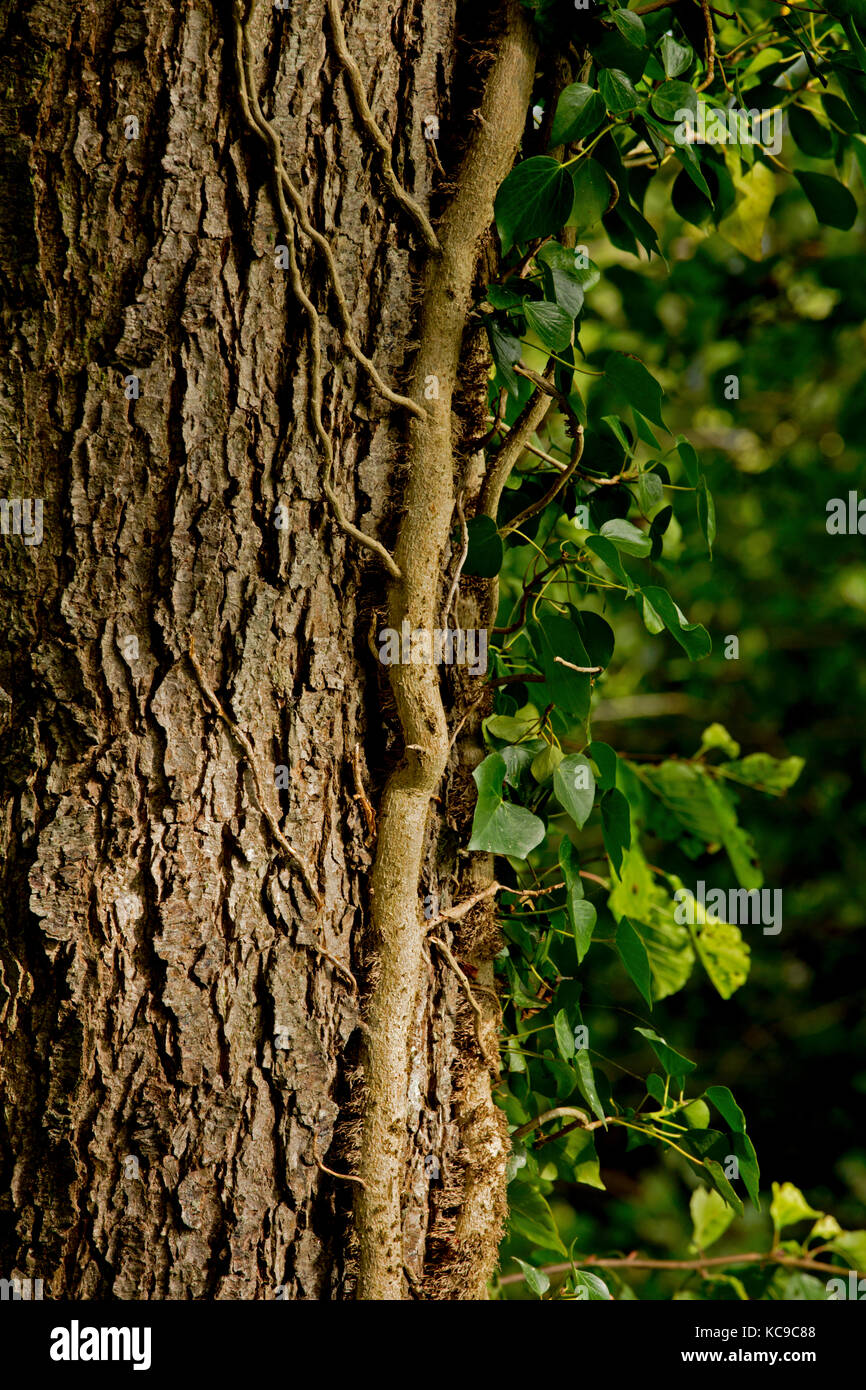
{"x": 791, "y": 1043}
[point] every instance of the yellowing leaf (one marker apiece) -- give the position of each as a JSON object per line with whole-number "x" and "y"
{"x": 744, "y": 228}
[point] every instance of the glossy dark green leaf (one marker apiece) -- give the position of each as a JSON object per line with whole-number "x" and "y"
{"x": 637, "y": 385}
{"x": 552, "y": 324}
{"x": 811, "y": 136}
{"x": 692, "y": 637}
{"x": 616, "y": 825}
{"x": 586, "y": 1084}
{"x": 497, "y": 826}
{"x": 630, "y": 25}
{"x": 565, "y": 283}
{"x": 626, "y": 537}
{"x": 617, "y": 90}
{"x": 593, "y": 193}
{"x": 486, "y": 550}
{"x": 534, "y": 201}
{"x": 582, "y": 914}
{"x": 834, "y": 204}
{"x": 505, "y": 349}
{"x": 674, "y": 1063}
{"x": 606, "y": 761}
{"x": 706, "y": 514}
{"x": 676, "y": 57}
{"x": 672, "y": 98}
{"x": 579, "y": 112}
{"x": 634, "y": 957}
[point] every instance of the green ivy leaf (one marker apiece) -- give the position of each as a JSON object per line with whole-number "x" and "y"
{"x": 616, "y": 825}
{"x": 534, "y": 201}
{"x": 486, "y": 550}
{"x": 505, "y": 349}
{"x": 672, "y": 98}
{"x": 674, "y": 1063}
{"x": 579, "y": 112}
{"x": 692, "y": 637}
{"x": 565, "y": 281}
{"x": 617, "y": 90}
{"x": 639, "y": 387}
{"x": 676, "y": 57}
{"x": 551, "y": 323}
{"x": 574, "y": 784}
{"x": 582, "y": 914}
{"x": 592, "y": 194}
{"x": 631, "y": 26}
{"x": 833, "y": 203}
{"x": 497, "y": 826}
{"x": 634, "y": 957}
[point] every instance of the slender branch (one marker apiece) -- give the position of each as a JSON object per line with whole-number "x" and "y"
{"x": 346, "y": 1177}
{"x": 553, "y": 491}
{"x": 711, "y": 1262}
{"x": 360, "y": 794}
{"x": 584, "y": 670}
{"x": 559, "y": 1112}
{"x": 711, "y": 47}
{"x": 452, "y": 593}
{"x": 500, "y": 465}
{"x": 379, "y": 139}
{"x": 473, "y": 1002}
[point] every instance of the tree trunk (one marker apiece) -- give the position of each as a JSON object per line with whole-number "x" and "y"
{"x": 196, "y": 731}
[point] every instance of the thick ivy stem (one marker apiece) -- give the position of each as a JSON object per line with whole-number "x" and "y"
{"x": 421, "y": 552}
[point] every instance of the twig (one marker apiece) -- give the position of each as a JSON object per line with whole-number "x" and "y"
{"x": 711, "y": 47}
{"x": 368, "y": 120}
{"x": 560, "y": 1111}
{"x": 475, "y": 703}
{"x": 500, "y": 465}
{"x": 255, "y": 119}
{"x": 456, "y": 914}
{"x": 346, "y": 1177}
{"x": 713, "y": 1261}
{"x": 584, "y": 670}
{"x": 553, "y": 491}
{"x": 246, "y": 745}
{"x": 495, "y": 423}
{"x": 452, "y": 594}
{"x": 360, "y": 794}
{"x": 462, "y": 977}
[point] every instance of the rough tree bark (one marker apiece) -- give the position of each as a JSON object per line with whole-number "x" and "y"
{"x": 185, "y": 1049}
